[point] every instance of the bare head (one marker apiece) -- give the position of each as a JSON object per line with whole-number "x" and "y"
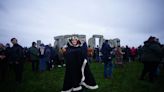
{"x": 14, "y": 41}
{"x": 1, "y": 46}
{"x": 33, "y": 44}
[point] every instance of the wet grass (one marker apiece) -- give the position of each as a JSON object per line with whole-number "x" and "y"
{"x": 124, "y": 80}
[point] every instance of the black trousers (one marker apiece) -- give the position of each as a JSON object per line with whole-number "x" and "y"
{"x": 48, "y": 65}
{"x": 35, "y": 64}
{"x": 18, "y": 70}
{"x": 3, "y": 70}
{"x": 151, "y": 69}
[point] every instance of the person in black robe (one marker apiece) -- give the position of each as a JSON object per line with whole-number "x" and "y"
{"x": 3, "y": 63}
{"x": 77, "y": 73}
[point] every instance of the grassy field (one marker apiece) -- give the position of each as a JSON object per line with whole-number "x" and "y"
{"x": 124, "y": 80}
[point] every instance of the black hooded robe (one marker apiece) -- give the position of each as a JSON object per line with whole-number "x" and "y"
{"x": 77, "y": 72}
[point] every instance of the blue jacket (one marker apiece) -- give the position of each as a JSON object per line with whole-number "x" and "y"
{"x": 106, "y": 51}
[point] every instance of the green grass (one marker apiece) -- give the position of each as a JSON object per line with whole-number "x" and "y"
{"x": 124, "y": 80}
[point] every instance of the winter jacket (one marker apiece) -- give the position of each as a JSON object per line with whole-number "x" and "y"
{"x": 34, "y": 53}
{"x": 90, "y": 52}
{"x": 84, "y": 50}
{"x": 47, "y": 53}
{"x": 163, "y": 52}
{"x": 2, "y": 54}
{"x": 133, "y": 52}
{"x": 151, "y": 52}
{"x": 17, "y": 53}
{"x": 106, "y": 51}
{"x": 8, "y": 54}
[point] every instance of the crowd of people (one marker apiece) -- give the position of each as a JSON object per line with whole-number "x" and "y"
{"x": 42, "y": 58}
{"x": 45, "y": 58}
{"x": 14, "y": 57}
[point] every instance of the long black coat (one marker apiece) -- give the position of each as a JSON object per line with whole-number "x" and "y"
{"x": 152, "y": 52}
{"x": 17, "y": 53}
{"x": 77, "y": 71}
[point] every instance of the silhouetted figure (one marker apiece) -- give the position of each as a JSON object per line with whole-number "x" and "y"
{"x": 126, "y": 55}
{"x": 3, "y": 63}
{"x": 48, "y": 54}
{"x": 119, "y": 56}
{"x": 107, "y": 59}
{"x": 52, "y": 57}
{"x": 163, "y": 55}
{"x": 8, "y": 56}
{"x": 133, "y": 53}
{"x": 139, "y": 52}
{"x": 97, "y": 50}
{"x": 42, "y": 61}
{"x": 84, "y": 49}
{"x": 34, "y": 57}
{"x": 151, "y": 58}
{"x": 17, "y": 55}
{"x": 90, "y": 52}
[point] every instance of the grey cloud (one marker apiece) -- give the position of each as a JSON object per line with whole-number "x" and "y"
{"x": 113, "y": 18}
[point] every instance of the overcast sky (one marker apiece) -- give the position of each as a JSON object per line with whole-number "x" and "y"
{"x": 133, "y": 21}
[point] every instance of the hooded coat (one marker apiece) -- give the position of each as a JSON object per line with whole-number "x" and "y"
{"x": 151, "y": 52}
{"x": 77, "y": 73}
{"x": 106, "y": 52}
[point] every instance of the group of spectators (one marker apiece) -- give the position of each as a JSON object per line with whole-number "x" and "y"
{"x": 46, "y": 57}
{"x": 151, "y": 54}
{"x": 12, "y": 59}
{"x": 42, "y": 58}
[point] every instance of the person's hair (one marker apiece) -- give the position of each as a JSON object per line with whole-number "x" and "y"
{"x": 41, "y": 44}
{"x": 78, "y": 42}
{"x": 151, "y": 39}
{"x": 7, "y": 45}
{"x": 106, "y": 40}
{"x": 12, "y": 39}
{"x": 70, "y": 40}
{"x": 33, "y": 43}
{"x": 2, "y": 46}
